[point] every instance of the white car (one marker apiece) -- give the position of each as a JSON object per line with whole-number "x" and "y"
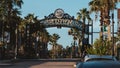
{"x": 99, "y": 58}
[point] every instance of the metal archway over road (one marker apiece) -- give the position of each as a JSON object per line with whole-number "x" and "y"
{"x": 60, "y": 19}
{"x": 57, "y": 19}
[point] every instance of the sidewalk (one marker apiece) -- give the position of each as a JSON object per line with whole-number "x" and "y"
{"x": 5, "y": 63}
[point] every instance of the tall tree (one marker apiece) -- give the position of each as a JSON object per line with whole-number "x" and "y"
{"x": 76, "y": 36}
{"x": 53, "y": 41}
{"x": 84, "y": 15}
{"x": 10, "y": 19}
{"x": 37, "y": 30}
{"x": 9, "y": 13}
{"x": 44, "y": 39}
{"x": 104, "y": 7}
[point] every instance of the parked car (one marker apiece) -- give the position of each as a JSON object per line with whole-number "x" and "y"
{"x": 99, "y": 58}
{"x": 99, "y": 61}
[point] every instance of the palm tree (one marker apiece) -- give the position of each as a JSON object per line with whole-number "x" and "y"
{"x": 53, "y": 41}
{"x": 58, "y": 50}
{"x": 40, "y": 31}
{"x": 10, "y": 9}
{"x": 9, "y": 14}
{"x": 84, "y": 15}
{"x": 44, "y": 39}
{"x": 76, "y": 33}
{"x": 36, "y": 28}
{"x": 104, "y": 6}
{"x": 76, "y": 36}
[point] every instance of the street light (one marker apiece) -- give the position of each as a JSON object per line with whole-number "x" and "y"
{"x": 3, "y": 36}
{"x": 113, "y": 31}
{"x": 16, "y": 32}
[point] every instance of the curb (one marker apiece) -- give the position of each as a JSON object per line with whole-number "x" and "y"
{"x": 5, "y": 64}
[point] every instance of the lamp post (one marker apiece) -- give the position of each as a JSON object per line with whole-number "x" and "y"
{"x": 3, "y": 52}
{"x": 92, "y": 32}
{"x": 16, "y": 46}
{"x": 113, "y": 32}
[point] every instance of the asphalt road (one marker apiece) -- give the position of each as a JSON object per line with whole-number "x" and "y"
{"x": 41, "y": 64}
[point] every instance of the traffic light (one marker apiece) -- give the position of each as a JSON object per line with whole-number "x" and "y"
{"x": 104, "y": 28}
{"x": 107, "y": 31}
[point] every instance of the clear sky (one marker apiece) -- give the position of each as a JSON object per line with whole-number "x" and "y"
{"x": 43, "y": 8}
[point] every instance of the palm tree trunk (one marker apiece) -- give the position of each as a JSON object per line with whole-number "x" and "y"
{"x": 53, "y": 51}
{"x": 107, "y": 17}
{"x": 101, "y": 24}
{"x": 79, "y": 47}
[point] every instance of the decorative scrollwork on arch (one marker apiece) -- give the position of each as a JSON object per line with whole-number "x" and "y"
{"x": 61, "y": 19}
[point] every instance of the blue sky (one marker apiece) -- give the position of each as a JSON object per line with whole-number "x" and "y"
{"x": 43, "y": 8}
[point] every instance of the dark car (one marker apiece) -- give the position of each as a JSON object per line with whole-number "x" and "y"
{"x": 97, "y": 61}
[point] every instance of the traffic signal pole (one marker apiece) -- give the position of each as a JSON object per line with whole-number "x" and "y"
{"x": 113, "y": 32}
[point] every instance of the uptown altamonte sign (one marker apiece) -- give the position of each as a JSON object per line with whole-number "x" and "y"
{"x": 61, "y": 19}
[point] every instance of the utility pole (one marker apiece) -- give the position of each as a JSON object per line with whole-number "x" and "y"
{"x": 113, "y": 31}
{"x": 3, "y": 52}
{"x": 16, "y": 46}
